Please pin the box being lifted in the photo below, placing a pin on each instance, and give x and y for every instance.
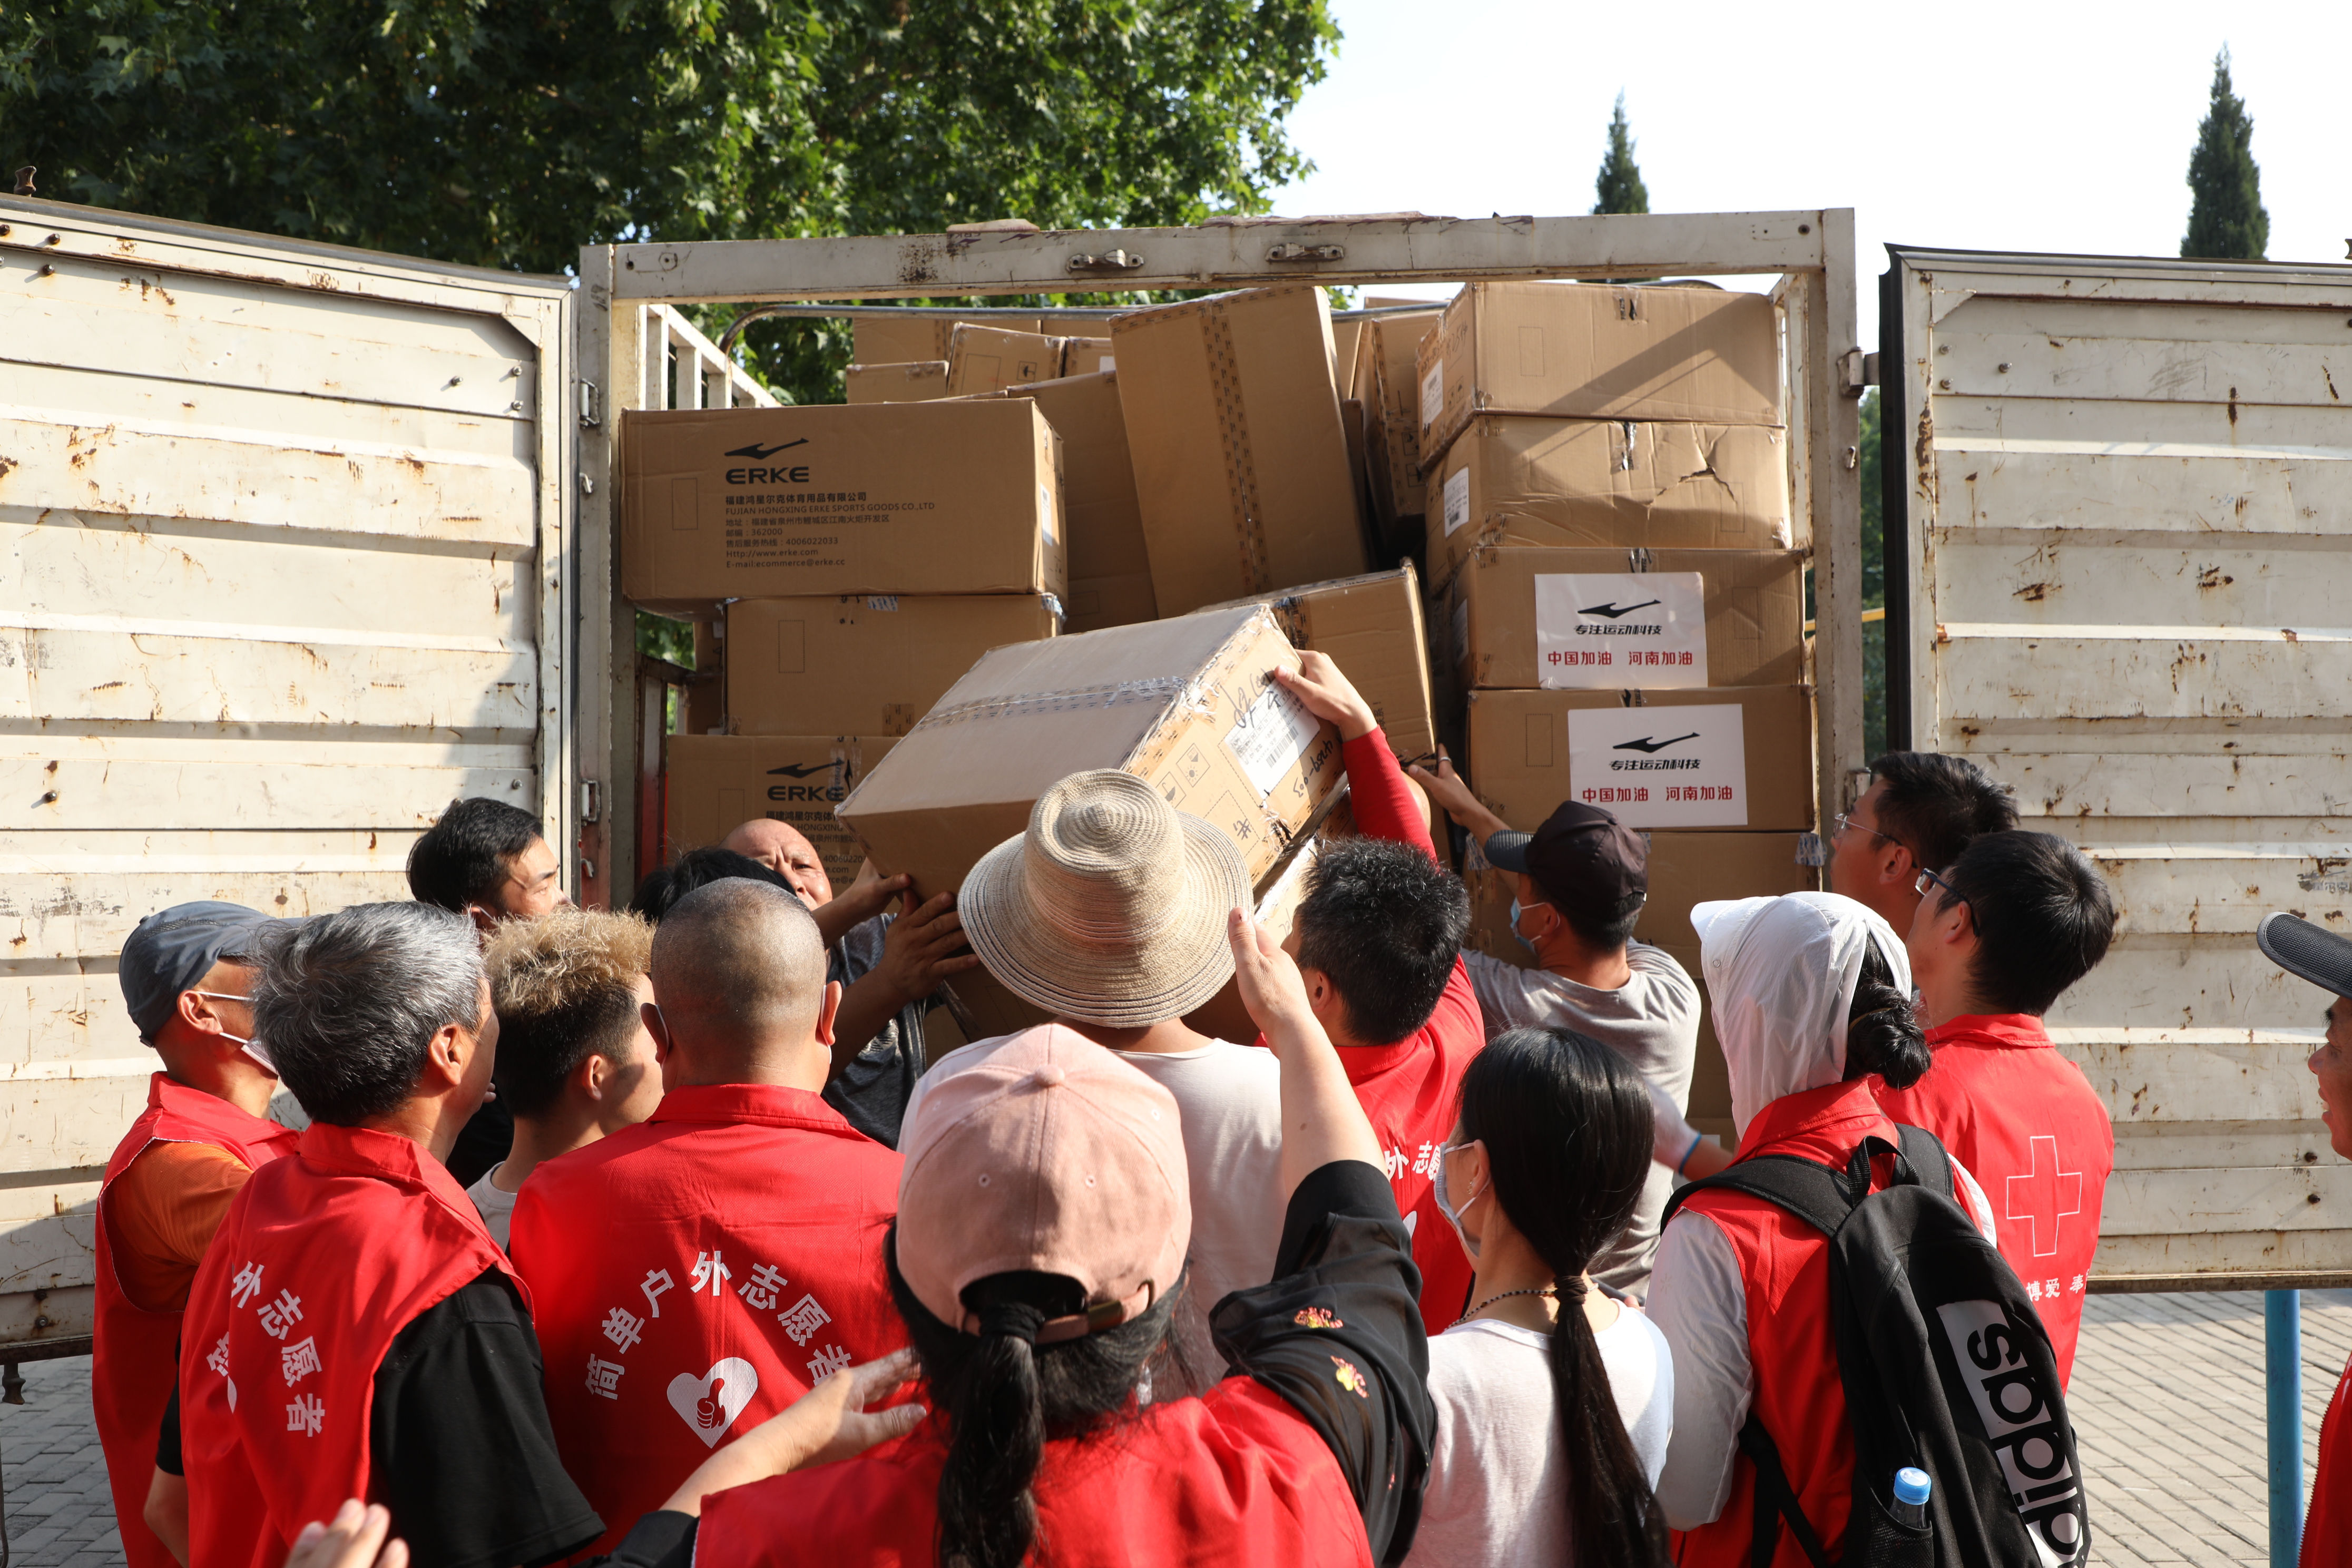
(1186, 703)
(947, 497)
(714, 783)
(1371, 628)
(863, 664)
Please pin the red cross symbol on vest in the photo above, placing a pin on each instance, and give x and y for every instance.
(2044, 1195)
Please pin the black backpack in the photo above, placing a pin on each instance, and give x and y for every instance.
(1945, 1366)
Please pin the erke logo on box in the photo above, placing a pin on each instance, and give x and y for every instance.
(788, 476)
(1647, 745)
(1609, 611)
(837, 791)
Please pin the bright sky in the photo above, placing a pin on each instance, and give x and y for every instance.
(2049, 127)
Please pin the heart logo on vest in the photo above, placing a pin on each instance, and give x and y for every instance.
(711, 1403)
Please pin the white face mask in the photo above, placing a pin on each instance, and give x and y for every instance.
(258, 1052)
(1452, 1211)
(1516, 909)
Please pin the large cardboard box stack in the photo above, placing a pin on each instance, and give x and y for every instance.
(1188, 704)
(989, 359)
(1232, 408)
(1388, 382)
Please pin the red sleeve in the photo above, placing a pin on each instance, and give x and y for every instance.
(1378, 794)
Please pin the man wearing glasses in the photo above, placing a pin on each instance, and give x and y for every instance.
(185, 972)
(1996, 938)
(1920, 810)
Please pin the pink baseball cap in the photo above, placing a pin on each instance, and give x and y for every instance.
(1048, 1154)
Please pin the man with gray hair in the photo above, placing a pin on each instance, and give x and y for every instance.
(697, 1272)
(353, 1331)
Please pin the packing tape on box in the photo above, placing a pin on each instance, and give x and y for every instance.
(1070, 700)
(1232, 434)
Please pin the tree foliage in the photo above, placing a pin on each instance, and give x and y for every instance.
(2226, 220)
(1619, 186)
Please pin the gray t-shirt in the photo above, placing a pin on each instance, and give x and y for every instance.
(873, 1087)
(1652, 1021)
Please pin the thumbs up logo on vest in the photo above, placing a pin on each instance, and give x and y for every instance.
(711, 1403)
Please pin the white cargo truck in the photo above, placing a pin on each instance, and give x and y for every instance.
(307, 542)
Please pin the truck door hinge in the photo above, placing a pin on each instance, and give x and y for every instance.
(1856, 370)
(592, 800)
(591, 414)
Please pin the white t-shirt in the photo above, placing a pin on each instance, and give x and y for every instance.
(494, 1203)
(1497, 1476)
(1229, 1108)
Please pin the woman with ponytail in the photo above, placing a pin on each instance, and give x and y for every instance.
(1544, 1168)
(1812, 997)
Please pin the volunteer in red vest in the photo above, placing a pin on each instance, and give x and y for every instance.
(185, 972)
(1379, 938)
(697, 1272)
(1582, 880)
(1812, 996)
(1998, 939)
(1044, 1220)
(354, 1332)
(2315, 953)
(1920, 811)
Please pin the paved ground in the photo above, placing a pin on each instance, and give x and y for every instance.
(2168, 1400)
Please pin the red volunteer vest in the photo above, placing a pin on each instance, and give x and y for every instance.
(321, 1262)
(1784, 1264)
(2327, 1532)
(1236, 1478)
(694, 1275)
(2026, 1123)
(132, 1369)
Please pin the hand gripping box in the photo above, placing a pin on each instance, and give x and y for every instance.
(863, 664)
(943, 497)
(1371, 628)
(712, 784)
(1186, 703)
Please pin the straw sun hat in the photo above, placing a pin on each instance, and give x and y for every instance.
(1111, 908)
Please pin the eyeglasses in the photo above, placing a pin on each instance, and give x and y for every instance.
(1926, 879)
(1845, 819)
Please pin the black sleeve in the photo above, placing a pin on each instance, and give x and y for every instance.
(1339, 1335)
(660, 1540)
(167, 1441)
(460, 1445)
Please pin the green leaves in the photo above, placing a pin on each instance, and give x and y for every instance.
(2226, 218)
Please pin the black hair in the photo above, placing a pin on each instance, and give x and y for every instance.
(462, 858)
(1933, 805)
(1385, 922)
(1605, 932)
(1882, 1033)
(661, 887)
(1004, 1396)
(1567, 1129)
(2042, 914)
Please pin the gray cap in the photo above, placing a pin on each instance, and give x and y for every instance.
(2301, 948)
(173, 950)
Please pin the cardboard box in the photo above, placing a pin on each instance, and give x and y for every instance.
(1241, 462)
(1370, 627)
(1738, 757)
(1388, 382)
(1098, 603)
(1086, 356)
(989, 359)
(1598, 351)
(714, 783)
(863, 664)
(1614, 619)
(892, 336)
(1186, 703)
(916, 381)
(1347, 344)
(1566, 482)
(905, 498)
(1685, 869)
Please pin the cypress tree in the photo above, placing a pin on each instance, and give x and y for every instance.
(1620, 185)
(2226, 220)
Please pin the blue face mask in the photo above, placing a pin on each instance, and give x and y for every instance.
(1515, 907)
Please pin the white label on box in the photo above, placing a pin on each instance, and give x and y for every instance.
(1108, 362)
(1045, 512)
(1617, 629)
(1432, 395)
(881, 601)
(1457, 499)
(1661, 767)
(1270, 739)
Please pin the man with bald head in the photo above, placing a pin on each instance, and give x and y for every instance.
(891, 965)
(693, 1275)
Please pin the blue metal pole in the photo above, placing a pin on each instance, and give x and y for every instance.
(2282, 1346)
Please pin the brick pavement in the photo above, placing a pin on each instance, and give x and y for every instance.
(2168, 1400)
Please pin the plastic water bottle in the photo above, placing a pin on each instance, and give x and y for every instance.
(1911, 1489)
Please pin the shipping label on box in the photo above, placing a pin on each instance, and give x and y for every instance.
(1591, 628)
(947, 497)
(714, 783)
(1370, 627)
(1661, 767)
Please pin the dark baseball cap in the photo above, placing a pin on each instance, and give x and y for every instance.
(2303, 949)
(1581, 856)
(173, 950)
